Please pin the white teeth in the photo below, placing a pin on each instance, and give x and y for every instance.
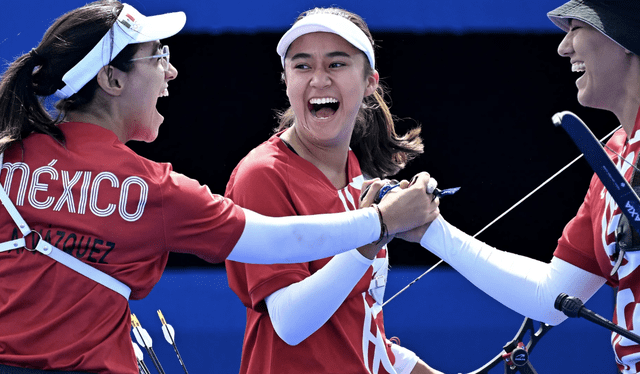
(578, 67)
(165, 92)
(324, 100)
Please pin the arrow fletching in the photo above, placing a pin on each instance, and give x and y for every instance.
(138, 351)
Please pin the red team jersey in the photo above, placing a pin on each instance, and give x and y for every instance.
(588, 241)
(274, 181)
(97, 200)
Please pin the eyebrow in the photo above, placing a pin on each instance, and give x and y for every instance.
(302, 55)
(155, 47)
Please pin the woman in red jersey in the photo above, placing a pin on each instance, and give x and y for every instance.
(87, 223)
(322, 316)
(602, 44)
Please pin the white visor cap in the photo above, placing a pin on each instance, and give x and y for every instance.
(326, 22)
(130, 28)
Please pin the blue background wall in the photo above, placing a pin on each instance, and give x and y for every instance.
(486, 69)
(22, 23)
(443, 318)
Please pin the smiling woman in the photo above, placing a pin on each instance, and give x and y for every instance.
(604, 65)
(323, 316)
(380, 150)
(135, 94)
(97, 220)
(602, 45)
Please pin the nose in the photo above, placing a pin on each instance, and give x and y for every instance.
(320, 79)
(171, 73)
(565, 48)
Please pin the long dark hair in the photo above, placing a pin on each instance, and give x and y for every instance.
(380, 150)
(38, 74)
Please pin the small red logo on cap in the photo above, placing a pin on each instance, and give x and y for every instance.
(125, 21)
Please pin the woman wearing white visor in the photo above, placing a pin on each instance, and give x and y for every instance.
(87, 223)
(322, 316)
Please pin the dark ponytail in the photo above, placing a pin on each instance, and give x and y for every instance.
(21, 110)
(38, 74)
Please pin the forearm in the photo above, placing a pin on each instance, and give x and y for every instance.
(300, 309)
(304, 238)
(525, 285)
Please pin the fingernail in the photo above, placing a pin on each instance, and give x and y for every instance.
(413, 180)
(364, 193)
(431, 185)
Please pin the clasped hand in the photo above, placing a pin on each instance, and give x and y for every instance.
(407, 209)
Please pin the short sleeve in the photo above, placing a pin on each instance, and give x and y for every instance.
(260, 184)
(576, 245)
(198, 222)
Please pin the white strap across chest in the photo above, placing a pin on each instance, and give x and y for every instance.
(49, 250)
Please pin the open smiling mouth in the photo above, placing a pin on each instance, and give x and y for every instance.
(323, 108)
(165, 92)
(578, 67)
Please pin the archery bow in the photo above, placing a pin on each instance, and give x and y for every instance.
(573, 307)
(515, 354)
(619, 189)
(503, 214)
(609, 175)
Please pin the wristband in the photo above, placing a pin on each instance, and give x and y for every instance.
(383, 228)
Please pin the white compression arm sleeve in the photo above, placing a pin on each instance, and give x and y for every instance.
(406, 360)
(298, 310)
(527, 286)
(272, 240)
